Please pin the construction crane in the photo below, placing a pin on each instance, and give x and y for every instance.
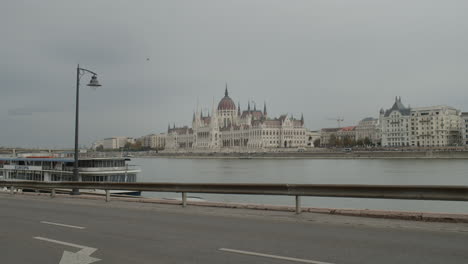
(338, 120)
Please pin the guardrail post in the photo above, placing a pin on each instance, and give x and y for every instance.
(107, 195)
(184, 199)
(12, 190)
(52, 193)
(298, 204)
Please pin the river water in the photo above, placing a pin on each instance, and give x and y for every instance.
(312, 171)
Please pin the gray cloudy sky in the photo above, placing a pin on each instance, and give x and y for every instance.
(324, 58)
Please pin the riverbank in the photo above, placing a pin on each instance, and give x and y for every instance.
(315, 155)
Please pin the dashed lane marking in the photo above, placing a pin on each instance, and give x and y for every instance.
(64, 225)
(272, 256)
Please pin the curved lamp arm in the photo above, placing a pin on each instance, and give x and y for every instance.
(85, 70)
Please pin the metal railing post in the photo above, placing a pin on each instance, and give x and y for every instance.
(107, 195)
(298, 204)
(184, 199)
(52, 193)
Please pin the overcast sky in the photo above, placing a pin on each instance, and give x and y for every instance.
(322, 58)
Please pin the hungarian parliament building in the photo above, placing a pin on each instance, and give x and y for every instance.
(230, 128)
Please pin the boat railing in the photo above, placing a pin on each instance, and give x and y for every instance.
(99, 169)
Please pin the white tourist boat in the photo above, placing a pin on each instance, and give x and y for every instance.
(51, 169)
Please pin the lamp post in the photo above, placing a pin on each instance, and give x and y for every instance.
(92, 83)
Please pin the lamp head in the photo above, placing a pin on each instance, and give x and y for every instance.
(94, 82)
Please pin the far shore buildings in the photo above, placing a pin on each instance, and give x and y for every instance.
(346, 134)
(329, 136)
(432, 126)
(435, 126)
(311, 136)
(401, 126)
(464, 128)
(395, 125)
(230, 128)
(113, 143)
(326, 136)
(369, 128)
(154, 141)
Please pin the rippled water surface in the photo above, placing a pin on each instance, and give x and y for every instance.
(312, 171)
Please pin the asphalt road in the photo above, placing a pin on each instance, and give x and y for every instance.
(32, 230)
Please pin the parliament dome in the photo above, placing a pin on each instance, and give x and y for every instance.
(226, 103)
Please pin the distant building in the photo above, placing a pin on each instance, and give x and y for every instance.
(464, 128)
(326, 134)
(311, 136)
(395, 125)
(435, 126)
(369, 128)
(116, 142)
(347, 135)
(179, 138)
(154, 141)
(431, 126)
(232, 129)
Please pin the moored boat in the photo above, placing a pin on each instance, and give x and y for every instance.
(49, 169)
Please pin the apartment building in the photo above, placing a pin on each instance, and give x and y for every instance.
(435, 126)
(154, 141)
(464, 128)
(395, 125)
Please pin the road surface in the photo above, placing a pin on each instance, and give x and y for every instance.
(38, 229)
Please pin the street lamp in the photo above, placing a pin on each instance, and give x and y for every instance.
(92, 83)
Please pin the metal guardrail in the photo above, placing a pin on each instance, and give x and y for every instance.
(408, 192)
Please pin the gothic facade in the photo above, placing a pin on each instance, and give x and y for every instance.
(230, 128)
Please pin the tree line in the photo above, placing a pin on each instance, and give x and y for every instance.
(335, 141)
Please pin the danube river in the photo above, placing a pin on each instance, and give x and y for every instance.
(312, 171)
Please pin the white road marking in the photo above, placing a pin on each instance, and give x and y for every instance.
(273, 256)
(76, 258)
(58, 224)
(80, 257)
(61, 242)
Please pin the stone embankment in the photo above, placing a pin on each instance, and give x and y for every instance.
(319, 155)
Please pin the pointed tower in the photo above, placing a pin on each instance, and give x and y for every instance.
(214, 118)
(198, 117)
(264, 109)
(194, 120)
(238, 109)
(302, 118)
(214, 127)
(226, 93)
(248, 107)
